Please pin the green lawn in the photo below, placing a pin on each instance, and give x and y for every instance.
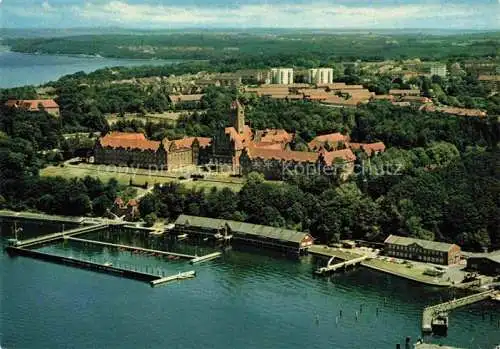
(70, 171)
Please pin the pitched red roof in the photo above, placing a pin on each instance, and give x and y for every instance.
(266, 145)
(240, 140)
(128, 140)
(368, 148)
(343, 154)
(273, 136)
(331, 138)
(32, 104)
(187, 142)
(285, 155)
(455, 111)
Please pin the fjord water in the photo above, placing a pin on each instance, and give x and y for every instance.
(243, 300)
(19, 69)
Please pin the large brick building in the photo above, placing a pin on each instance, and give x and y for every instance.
(237, 147)
(422, 250)
(134, 149)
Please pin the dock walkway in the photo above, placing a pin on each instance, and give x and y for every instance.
(432, 311)
(166, 253)
(333, 267)
(56, 236)
(79, 263)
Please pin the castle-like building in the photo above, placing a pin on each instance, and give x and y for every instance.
(237, 147)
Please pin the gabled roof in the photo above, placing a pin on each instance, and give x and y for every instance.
(32, 104)
(240, 140)
(285, 155)
(368, 148)
(273, 136)
(331, 138)
(242, 228)
(426, 244)
(343, 154)
(128, 140)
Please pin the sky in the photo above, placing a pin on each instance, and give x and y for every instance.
(166, 14)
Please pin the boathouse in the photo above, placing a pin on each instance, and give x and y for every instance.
(485, 263)
(253, 234)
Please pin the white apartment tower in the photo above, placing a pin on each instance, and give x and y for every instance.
(439, 69)
(320, 76)
(282, 76)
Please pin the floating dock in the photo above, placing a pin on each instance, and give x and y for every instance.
(205, 258)
(341, 265)
(180, 276)
(134, 248)
(431, 313)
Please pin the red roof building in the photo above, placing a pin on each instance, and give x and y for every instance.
(49, 105)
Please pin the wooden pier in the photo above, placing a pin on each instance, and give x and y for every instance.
(341, 265)
(431, 313)
(134, 248)
(83, 264)
(205, 258)
(57, 236)
(180, 276)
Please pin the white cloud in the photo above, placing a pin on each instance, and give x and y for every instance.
(316, 15)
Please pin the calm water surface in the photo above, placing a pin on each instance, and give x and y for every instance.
(243, 300)
(19, 69)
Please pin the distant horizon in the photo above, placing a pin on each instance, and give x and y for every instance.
(468, 15)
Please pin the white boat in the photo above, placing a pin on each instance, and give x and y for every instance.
(182, 237)
(108, 264)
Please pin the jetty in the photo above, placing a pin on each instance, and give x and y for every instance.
(180, 276)
(205, 258)
(332, 267)
(57, 236)
(133, 248)
(433, 314)
(84, 264)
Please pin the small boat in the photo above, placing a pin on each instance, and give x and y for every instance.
(108, 264)
(182, 237)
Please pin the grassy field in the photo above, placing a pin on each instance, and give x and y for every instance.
(140, 178)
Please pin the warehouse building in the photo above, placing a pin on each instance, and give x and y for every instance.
(422, 250)
(290, 241)
(485, 263)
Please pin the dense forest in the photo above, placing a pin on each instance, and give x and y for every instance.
(294, 48)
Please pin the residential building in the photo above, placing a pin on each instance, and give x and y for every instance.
(422, 250)
(369, 148)
(331, 141)
(276, 164)
(282, 76)
(439, 70)
(191, 100)
(400, 93)
(485, 263)
(455, 111)
(320, 76)
(490, 81)
(134, 149)
(286, 240)
(33, 105)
